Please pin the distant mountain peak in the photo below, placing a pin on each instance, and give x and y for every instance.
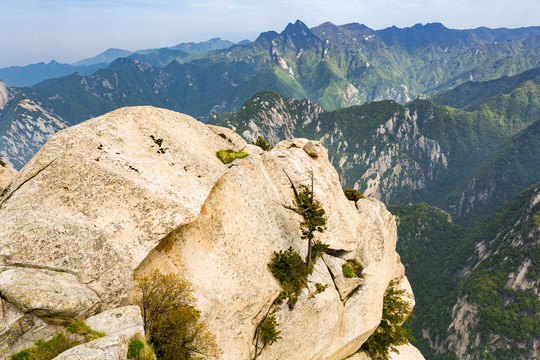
(297, 27)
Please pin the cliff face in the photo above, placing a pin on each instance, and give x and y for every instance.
(141, 188)
(24, 126)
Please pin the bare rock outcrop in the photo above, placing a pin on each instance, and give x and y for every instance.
(4, 94)
(141, 188)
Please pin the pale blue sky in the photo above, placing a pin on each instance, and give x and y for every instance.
(70, 30)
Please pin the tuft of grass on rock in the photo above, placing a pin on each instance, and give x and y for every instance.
(227, 156)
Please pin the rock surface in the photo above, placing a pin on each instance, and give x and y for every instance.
(126, 320)
(141, 188)
(113, 347)
(4, 94)
(54, 296)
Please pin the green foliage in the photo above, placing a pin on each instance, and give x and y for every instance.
(353, 194)
(80, 328)
(170, 320)
(227, 156)
(318, 248)
(314, 219)
(261, 142)
(46, 349)
(348, 271)
(134, 348)
(319, 288)
(352, 268)
(268, 330)
(389, 334)
(291, 271)
(433, 250)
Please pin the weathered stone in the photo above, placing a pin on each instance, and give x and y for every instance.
(55, 296)
(233, 138)
(141, 189)
(314, 148)
(113, 347)
(405, 352)
(4, 94)
(125, 320)
(100, 195)
(344, 285)
(253, 150)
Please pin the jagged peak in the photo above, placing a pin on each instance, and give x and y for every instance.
(296, 28)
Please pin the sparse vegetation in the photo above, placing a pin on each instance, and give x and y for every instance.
(267, 331)
(348, 271)
(291, 271)
(170, 319)
(318, 249)
(261, 142)
(79, 327)
(320, 288)
(389, 334)
(46, 349)
(352, 268)
(58, 343)
(227, 156)
(314, 217)
(353, 194)
(134, 349)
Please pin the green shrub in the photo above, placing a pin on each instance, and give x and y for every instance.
(314, 218)
(80, 328)
(389, 334)
(318, 249)
(353, 194)
(268, 330)
(291, 271)
(46, 349)
(320, 288)
(134, 349)
(261, 142)
(348, 271)
(170, 320)
(227, 156)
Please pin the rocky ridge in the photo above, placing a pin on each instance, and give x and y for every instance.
(141, 188)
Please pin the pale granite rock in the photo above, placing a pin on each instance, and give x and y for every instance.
(54, 296)
(141, 189)
(4, 94)
(100, 195)
(126, 320)
(113, 347)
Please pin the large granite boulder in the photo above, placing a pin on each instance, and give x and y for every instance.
(141, 189)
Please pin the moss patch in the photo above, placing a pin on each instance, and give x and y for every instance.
(227, 156)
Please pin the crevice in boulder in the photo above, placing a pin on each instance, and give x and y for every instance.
(5, 262)
(339, 253)
(331, 275)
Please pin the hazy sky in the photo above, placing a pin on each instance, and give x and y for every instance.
(70, 30)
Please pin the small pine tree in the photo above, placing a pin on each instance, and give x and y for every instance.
(389, 334)
(261, 142)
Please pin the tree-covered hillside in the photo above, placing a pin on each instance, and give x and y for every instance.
(477, 289)
(465, 161)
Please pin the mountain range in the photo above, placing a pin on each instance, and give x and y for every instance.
(29, 75)
(333, 66)
(465, 161)
(442, 125)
